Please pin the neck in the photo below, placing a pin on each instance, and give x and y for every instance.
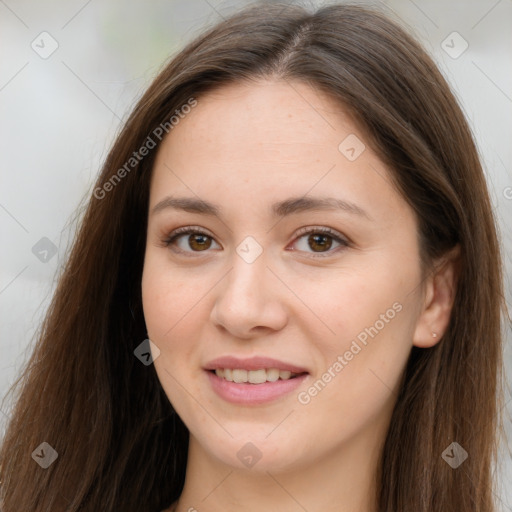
(342, 480)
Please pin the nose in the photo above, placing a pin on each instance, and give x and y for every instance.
(250, 300)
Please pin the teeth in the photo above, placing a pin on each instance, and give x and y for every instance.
(272, 374)
(239, 375)
(257, 376)
(254, 376)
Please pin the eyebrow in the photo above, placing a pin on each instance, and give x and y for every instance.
(284, 208)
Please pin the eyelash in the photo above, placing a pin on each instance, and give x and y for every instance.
(190, 230)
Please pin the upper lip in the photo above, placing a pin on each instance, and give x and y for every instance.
(252, 363)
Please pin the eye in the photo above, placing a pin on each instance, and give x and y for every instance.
(197, 240)
(320, 239)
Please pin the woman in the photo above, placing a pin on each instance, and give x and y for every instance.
(285, 293)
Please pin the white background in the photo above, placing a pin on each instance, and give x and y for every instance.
(59, 116)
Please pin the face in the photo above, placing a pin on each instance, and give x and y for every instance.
(266, 279)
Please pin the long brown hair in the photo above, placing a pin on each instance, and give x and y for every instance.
(120, 445)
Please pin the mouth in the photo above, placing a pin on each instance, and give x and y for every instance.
(253, 381)
(259, 376)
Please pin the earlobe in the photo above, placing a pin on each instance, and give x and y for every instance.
(440, 289)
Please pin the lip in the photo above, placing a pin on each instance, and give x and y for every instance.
(252, 363)
(253, 394)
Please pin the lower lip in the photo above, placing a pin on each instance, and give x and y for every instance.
(245, 393)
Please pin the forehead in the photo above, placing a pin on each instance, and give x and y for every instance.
(245, 142)
(267, 115)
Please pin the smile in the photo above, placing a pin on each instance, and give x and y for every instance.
(253, 393)
(254, 376)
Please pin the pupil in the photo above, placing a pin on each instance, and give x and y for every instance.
(200, 240)
(316, 239)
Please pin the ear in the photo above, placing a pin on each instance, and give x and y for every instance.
(439, 294)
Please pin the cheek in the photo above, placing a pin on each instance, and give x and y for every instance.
(356, 384)
(175, 312)
(370, 302)
(168, 305)
(373, 317)
(166, 298)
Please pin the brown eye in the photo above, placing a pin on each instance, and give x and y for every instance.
(199, 242)
(189, 241)
(320, 241)
(313, 240)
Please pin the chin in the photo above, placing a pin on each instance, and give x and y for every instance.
(256, 455)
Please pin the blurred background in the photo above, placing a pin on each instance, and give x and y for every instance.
(71, 72)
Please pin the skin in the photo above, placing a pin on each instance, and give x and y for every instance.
(245, 147)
